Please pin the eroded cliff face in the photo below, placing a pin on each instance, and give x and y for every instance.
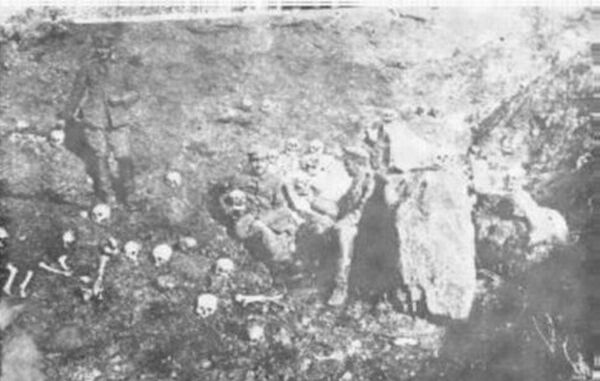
(208, 90)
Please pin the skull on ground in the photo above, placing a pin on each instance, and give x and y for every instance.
(162, 254)
(224, 267)
(316, 146)
(174, 179)
(57, 137)
(272, 156)
(292, 145)
(132, 250)
(206, 305)
(68, 238)
(238, 201)
(256, 333)
(101, 213)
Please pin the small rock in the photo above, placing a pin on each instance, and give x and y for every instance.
(206, 364)
(22, 124)
(68, 338)
(346, 376)
(246, 104)
(166, 282)
(305, 364)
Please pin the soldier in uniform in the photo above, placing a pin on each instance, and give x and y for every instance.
(96, 125)
(265, 213)
(351, 206)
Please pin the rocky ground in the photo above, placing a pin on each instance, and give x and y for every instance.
(507, 84)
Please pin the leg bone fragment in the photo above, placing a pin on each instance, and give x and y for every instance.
(249, 299)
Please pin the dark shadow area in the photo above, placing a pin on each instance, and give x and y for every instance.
(76, 142)
(375, 263)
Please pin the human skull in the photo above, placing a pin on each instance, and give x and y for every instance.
(292, 145)
(132, 250)
(3, 237)
(302, 185)
(256, 333)
(316, 146)
(206, 305)
(101, 213)
(238, 200)
(187, 243)
(57, 137)
(68, 238)
(272, 156)
(162, 254)
(174, 179)
(224, 267)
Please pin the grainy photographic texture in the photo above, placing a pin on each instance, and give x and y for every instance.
(318, 194)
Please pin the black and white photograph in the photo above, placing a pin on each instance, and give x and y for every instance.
(276, 190)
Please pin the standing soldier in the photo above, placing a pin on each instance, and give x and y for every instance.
(96, 126)
(351, 207)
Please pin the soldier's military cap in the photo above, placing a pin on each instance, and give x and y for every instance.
(258, 152)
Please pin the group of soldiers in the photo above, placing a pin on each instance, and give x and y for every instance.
(284, 190)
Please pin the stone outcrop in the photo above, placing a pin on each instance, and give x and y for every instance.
(31, 167)
(437, 241)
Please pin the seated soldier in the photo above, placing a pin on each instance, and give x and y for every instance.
(306, 199)
(257, 206)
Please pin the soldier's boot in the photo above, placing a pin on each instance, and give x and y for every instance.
(102, 181)
(346, 236)
(124, 186)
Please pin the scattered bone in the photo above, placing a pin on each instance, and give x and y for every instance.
(338, 356)
(110, 247)
(188, 243)
(166, 282)
(45, 266)
(245, 300)
(4, 236)
(224, 267)
(101, 213)
(132, 250)
(583, 160)
(11, 278)
(98, 284)
(162, 254)
(84, 214)
(405, 341)
(174, 179)
(23, 286)
(57, 137)
(206, 305)
(256, 333)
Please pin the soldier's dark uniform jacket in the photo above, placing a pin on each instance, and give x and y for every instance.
(266, 201)
(97, 107)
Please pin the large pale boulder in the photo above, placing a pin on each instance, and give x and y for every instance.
(437, 241)
(547, 226)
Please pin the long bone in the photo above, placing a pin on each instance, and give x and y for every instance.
(45, 266)
(11, 278)
(249, 299)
